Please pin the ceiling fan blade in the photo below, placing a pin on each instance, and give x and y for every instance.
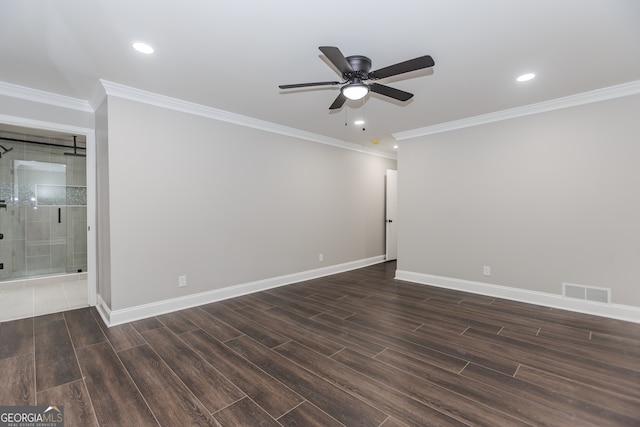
(308, 85)
(391, 92)
(403, 67)
(339, 102)
(337, 58)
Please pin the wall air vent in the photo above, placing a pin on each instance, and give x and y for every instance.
(586, 293)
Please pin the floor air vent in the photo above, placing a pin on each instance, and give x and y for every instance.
(587, 293)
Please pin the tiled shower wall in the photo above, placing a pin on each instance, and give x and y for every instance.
(42, 234)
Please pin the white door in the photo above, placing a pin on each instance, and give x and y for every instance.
(391, 215)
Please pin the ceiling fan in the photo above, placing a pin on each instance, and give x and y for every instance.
(356, 75)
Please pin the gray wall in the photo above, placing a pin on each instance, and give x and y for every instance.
(542, 199)
(226, 204)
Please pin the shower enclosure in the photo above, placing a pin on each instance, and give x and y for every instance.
(43, 205)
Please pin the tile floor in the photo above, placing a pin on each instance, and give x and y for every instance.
(34, 297)
(357, 348)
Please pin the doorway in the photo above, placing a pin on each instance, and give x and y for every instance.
(44, 247)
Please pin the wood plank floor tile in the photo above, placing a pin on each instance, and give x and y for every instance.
(16, 338)
(617, 344)
(55, 358)
(210, 324)
(498, 399)
(579, 412)
(380, 395)
(363, 309)
(232, 304)
(572, 389)
(576, 320)
(582, 348)
(314, 341)
(46, 318)
(291, 295)
(354, 348)
(401, 340)
(343, 338)
(431, 311)
(392, 422)
(177, 323)
(563, 332)
(372, 318)
(439, 351)
(210, 386)
(566, 364)
(308, 415)
(83, 328)
(485, 312)
(329, 398)
(386, 320)
(121, 337)
(169, 399)
(115, 397)
(254, 301)
(18, 385)
(245, 413)
(293, 306)
(271, 394)
(78, 410)
(446, 401)
(253, 329)
(147, 324)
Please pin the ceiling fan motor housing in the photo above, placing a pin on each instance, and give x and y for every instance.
(360, 65)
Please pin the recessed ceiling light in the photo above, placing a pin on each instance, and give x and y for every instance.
(143, 47)
(359, 122)
(395, 146)
(525, 77)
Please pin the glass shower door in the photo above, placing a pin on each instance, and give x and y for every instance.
(43, 216)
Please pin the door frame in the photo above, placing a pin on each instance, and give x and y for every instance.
(391, 215)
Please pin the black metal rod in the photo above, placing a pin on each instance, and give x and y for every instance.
(50, 144)
(59, 215)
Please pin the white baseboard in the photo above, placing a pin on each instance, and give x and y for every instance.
(118, 317)
(614, 311)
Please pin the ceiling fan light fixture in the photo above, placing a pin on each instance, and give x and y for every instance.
(355, 91)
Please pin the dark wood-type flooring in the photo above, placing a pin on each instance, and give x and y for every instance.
(355, 349)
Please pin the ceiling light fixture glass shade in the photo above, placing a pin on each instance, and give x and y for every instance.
(355, 91)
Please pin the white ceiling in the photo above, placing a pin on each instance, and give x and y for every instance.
(233, 55)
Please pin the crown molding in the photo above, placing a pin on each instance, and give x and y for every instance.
(43, 97)
(98, 95)
(618, 91)
(150, 98)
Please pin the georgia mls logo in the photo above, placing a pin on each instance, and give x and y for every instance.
(31, 416)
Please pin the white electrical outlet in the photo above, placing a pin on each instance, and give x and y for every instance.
(321, 257)
(486, 270)
(182, 281)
